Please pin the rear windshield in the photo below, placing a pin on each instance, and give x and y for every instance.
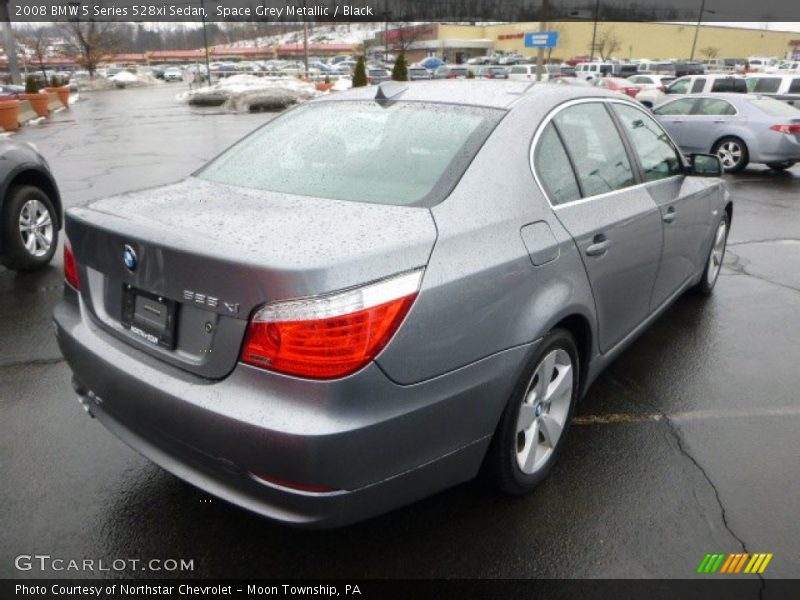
(401, 153)
(776, 108)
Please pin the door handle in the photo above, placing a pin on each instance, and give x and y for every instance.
(599, 246)
(669, 216)
(720, 121)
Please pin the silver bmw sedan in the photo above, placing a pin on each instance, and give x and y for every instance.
(382, 292)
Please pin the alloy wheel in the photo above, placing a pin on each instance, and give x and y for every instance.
(730, 154)
(717, 253)
(544, 410)
(36, 228)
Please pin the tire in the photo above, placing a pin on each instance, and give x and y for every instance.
(30, 249)
(732, 153)
(715, 257)
(781, 166)
(509, 463)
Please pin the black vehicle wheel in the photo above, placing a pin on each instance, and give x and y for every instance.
(30, 229)
(732, 153)
(715, 258)
(534, 425)
(781, 166)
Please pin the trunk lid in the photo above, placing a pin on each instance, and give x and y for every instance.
(217, 252)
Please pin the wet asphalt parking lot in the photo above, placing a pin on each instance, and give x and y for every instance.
(689, 443)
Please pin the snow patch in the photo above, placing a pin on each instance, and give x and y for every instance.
(243, 93)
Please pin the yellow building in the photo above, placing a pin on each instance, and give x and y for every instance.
(631, 40)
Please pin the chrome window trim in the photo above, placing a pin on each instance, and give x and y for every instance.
(699, 97)
(587, 100)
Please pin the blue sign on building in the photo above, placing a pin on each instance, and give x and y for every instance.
(546, 39)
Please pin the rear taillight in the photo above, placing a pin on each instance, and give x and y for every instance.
(71, 267)
(662, 88)
(788, 129)
(325, 337)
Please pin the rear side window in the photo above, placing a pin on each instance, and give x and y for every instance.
(697, 86)
(657, 155)
(678, 107)
(405, 153)
(554, 169)
(729, 84)
(715, 106)
(794, 86)
(765, 85)
(596, 150)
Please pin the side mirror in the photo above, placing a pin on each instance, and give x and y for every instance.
(705, 165)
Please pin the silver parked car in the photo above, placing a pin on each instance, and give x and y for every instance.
(319, 349)
(739, 128)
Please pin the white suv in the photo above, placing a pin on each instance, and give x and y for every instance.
(693, 84)
(780, 87)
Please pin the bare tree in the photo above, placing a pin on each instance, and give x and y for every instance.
(607, 43)
(37, 42)
(710, 51)
(90, 41)
(401, 38)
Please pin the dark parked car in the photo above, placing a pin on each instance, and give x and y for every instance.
(422, 283)
(451, 72)
(376, 76)
(682, 69)
(30, 208)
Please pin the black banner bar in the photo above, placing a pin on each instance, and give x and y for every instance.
(399, 10)
(729, 588)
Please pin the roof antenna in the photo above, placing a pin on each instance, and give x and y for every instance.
(390, 89)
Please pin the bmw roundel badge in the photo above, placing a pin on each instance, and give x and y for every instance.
(129, 258)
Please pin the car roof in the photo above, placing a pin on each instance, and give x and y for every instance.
(493, 94)
(773, 75)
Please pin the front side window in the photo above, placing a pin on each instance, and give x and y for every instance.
(554, 169)
(794, 86)
(405, 153)
(657, 155)
(679, 86)
(678, 107)
(597, 151)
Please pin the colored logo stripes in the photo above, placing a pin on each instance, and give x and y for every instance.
(734, 563)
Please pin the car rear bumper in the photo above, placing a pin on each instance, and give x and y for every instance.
(776, 147)
(375, 445)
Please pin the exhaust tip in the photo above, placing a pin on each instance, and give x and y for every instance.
(85, 404)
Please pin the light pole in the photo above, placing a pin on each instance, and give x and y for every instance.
(305, 36)
(697, 27)
(9, 42)
(594, 29)
(205, 42)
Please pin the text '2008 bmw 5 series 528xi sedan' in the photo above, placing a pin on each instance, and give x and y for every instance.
(376, 295)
